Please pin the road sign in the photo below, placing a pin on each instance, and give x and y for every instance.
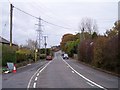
(10, 66)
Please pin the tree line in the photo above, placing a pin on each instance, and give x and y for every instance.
(101, 51)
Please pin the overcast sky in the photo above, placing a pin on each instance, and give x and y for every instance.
(66, 13)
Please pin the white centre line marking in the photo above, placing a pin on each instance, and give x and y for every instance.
(44, 67)
(36, 79)
(72, 71)
(84, 76)
(34, 85)
(90, 84)
(37, 72)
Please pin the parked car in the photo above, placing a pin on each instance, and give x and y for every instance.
(49, 57)
(65, 56)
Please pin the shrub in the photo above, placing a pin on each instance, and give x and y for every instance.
(8, 55)
(24, 55)
(71, 47)
(0, 55)
(42, 56)
(99, 47)
(110, 54)
(86, 51)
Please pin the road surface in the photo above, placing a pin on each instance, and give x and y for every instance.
(60, 73)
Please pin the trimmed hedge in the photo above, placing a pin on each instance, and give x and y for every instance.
(42, 56)
(8, 55)
(11, 54)
(24, 54)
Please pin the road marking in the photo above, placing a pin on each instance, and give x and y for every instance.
(36, 73)
(34, 85)
(44, 67)
(22, 67)
(28, 64)
(84, 77)
(36, 79)
(72, 71)
(90, 84)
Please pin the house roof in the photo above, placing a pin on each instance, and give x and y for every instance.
(4, 41)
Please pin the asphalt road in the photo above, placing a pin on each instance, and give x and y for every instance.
(60, 73)
(21, 78)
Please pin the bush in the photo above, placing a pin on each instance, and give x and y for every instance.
(8, 55)
(21, 57)
(86, 51)
(0, 55)
(24, 54)
(99, 47)
(103, 53)
(42, 56)
(111, 54)
(71, 47)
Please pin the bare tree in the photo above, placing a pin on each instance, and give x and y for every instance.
(31, 44)
(88, 25)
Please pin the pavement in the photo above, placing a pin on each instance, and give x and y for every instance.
(60, 73)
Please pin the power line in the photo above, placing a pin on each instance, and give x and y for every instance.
(55, 24)
(41, 18)
(26, 12)
(48, 9)
(9, 1)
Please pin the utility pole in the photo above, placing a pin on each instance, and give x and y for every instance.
(39, 34)
(11, 15)
(36, 51)
(45, 37)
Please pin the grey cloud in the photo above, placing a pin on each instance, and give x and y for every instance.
(66, 14)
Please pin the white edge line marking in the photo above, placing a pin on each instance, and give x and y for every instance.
(85, 77)
(24, 66)
(36, 73)
(90, 84)
(28, 64)
(34, 85)
(36, 79)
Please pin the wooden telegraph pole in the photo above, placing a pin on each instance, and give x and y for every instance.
(11, 15)
(45, 37)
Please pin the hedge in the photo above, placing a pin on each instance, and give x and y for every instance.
(8, 55)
